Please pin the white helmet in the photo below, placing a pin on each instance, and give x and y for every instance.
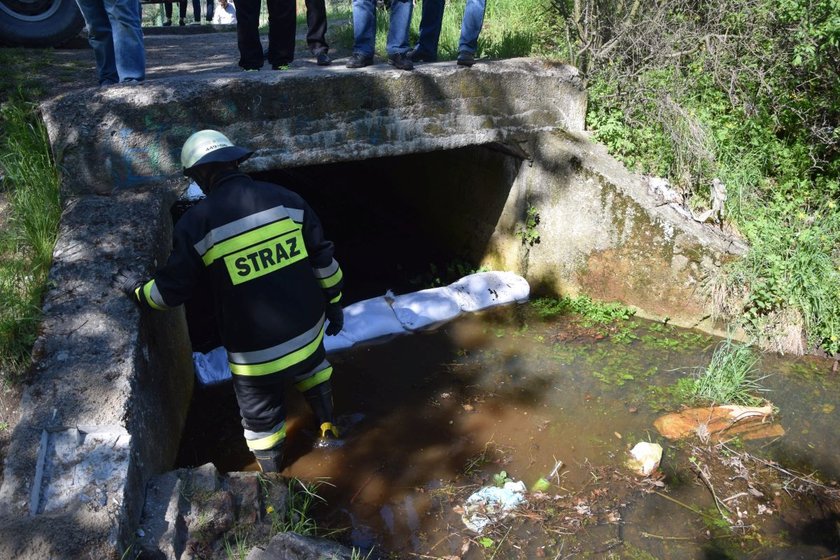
(208, 146)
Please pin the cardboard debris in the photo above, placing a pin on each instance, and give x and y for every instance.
(720, 422)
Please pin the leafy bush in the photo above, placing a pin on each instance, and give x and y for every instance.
(746, 92)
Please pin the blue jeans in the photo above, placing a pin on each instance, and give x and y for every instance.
(430, 23)
(117, 40)
(364, 27)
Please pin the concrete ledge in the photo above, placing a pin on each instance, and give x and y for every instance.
(124, 136)
(111, 389)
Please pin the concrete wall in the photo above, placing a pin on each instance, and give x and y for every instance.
(601, 233)
(111, 386)
(110, 389)
(123, 136)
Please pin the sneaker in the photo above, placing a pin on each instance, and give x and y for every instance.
(167, 23)
(322, 59)
(250, 69)
(400, 61)
(181, 22)
(131, 81)
(466, 58)
(416, 55)
(358, 60)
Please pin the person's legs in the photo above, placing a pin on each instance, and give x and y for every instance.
(210, 9)
(316, 23)
(197, 10)
(281, 32)
(101, 39)
(364, 27)
(182, 12)
(167, 10)
(248, 34)
(431, 19)
(471, 26)
(397, 42)
(129, 52)
(264, 420)
(317, 389)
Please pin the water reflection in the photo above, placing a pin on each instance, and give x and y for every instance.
(430, 418)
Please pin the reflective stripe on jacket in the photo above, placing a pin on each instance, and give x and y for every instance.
(272, 271)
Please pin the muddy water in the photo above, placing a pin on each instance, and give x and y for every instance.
(430, 418)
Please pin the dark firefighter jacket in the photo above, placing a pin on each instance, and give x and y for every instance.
(271, 270)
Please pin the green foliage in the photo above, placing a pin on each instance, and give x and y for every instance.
(26, 245)
(297, 518)
(756, 107)
(501, 478)
(593, 312)
(528, 231)
(730, 377)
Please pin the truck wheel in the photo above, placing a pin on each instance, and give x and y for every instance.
(39, 23)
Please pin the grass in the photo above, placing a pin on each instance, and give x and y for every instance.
(31, 184)
(512, 28)
(593, 312)
(730, 378)
(297, 518)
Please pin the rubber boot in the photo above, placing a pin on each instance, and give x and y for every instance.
(320, 400)
(270, 460)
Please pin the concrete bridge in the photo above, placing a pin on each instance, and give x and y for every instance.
(475, 153)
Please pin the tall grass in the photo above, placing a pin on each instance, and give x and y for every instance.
(731, 376)
(31, 184)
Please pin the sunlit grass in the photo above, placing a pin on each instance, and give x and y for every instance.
(31, 185)
(731, 376)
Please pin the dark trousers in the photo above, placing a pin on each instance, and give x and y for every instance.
(182, 9)
(281, 33)
(316, 22)
(197, 10)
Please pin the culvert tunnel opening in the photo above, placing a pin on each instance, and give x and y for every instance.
(400, 223)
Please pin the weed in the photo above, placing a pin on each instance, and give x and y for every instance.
(27, 245)
(528, 231)
(592, 312)
(298, 518)
(239, 549)
(357, 554)
(730, 377)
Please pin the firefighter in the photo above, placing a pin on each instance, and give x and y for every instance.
(274, 282)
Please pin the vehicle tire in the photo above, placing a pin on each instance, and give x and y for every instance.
(39, 23)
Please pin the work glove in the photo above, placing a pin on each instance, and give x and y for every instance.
(126, 281)
(335, 315)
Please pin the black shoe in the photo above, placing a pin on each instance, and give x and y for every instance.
(466, 58)
(358, 60)
(181, 22)
(416, 55)
(322, 59)
(400, 61)
(167, 23)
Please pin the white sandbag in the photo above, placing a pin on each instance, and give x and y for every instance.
(425, 309)
(483, 290)
(379, 318)
(369, 320)
(338, 342)
(212, 367)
